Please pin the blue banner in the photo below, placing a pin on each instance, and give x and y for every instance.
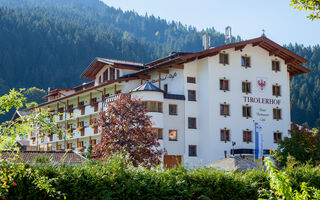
(258, 153)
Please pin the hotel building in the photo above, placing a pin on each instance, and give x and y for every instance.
(203, 105)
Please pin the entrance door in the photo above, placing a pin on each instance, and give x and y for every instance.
(170, 161)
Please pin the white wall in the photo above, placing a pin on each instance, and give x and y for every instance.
(209, 72)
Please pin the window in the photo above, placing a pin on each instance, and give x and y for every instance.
(247, 136)
(158, 133)
(80, 144)
(152, 106)
(192, 122)
(224, 109)
(224, 58)
(246, 111)
(192, 95)
(69, 146)
(276, 90)
(59, 147)
(105, 75)
(245, 61)
(275, 66)
(70, 110)
(277, 113)
(191, 79)
(224, 84)
(118, 73)
(277, 137)
(112, 74)
(94, 101)
(192, 150)
(173, 135)
(50, 137)
(93, 141)
(60, 111)
(173, 109)
(165, 88)
(70, 128)
(225, 135)
(246, 87)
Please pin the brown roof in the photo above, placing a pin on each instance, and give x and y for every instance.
(97, 64)
(84, 90)
(53, 156)
(291, 59)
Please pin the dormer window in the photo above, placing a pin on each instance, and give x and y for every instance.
(105, 75)
(118, 73)
(112, 74)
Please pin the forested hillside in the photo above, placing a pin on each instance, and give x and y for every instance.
(46, 42)
(305, 89)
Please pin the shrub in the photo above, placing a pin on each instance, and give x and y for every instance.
(116, 178)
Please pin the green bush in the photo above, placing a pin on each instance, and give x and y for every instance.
(113, 179)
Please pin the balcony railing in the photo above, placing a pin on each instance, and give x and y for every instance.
(112, 98)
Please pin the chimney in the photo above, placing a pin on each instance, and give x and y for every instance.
(228, 35)
(206, 41)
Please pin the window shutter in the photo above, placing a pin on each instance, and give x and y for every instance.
(221, 58)
(273, 66)
(243, 87)
(227, 135)
(226, 59)
(243, 111)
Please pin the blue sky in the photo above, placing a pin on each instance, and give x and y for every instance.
(282, 23)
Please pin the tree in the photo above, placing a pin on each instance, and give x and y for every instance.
(9, 131)
(126, 128)
(34, 94)
(308, 5)
(303, 145)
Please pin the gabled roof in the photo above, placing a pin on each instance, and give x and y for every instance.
(291, 59)
(98, 63)
(55, 92)
(53, 156)
(147, 86)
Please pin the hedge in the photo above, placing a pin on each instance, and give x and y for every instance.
(114, 180)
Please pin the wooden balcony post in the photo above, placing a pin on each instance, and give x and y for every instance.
(90, 141)
(78, 102)
(90, 98)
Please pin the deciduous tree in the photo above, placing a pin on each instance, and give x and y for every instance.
(303, 144)
(308, 5)
(126, 128)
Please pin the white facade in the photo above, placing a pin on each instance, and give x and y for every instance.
(205, 136)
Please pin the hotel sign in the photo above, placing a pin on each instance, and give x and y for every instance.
(167, 76)
(260, 100)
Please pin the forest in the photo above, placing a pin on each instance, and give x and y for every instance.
(44, 43)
